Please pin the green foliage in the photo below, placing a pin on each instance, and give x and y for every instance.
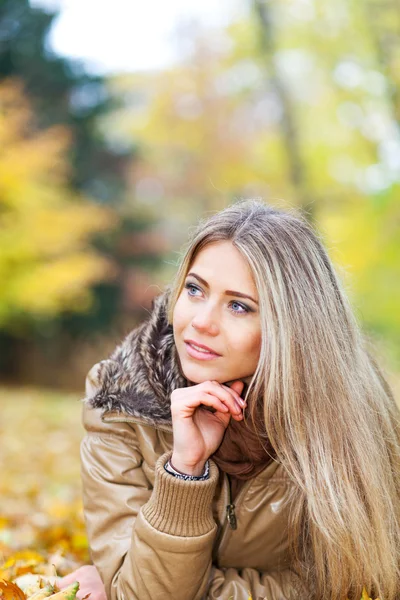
(299, 103)
(61, 92)
(46, 265)
(66, 104)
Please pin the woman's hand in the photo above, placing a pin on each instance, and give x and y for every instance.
(197, 431)
(89, 582)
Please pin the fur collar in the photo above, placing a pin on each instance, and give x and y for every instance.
(142, 372)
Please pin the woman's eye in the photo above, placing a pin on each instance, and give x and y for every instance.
(190, 286)
(240, 309)
(243, 308)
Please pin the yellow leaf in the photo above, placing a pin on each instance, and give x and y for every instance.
(10, 591)
(19, 563)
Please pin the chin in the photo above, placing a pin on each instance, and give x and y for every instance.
(197, 374)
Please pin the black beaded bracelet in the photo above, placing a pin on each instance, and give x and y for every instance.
(170, 469)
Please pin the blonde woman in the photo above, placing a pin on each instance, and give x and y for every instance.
(242, 440)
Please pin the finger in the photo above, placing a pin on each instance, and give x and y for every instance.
(230, 396)
(239, 403)
(236, 388)
(209, 394)
(226, 396)
(213, 402)
(187, 405)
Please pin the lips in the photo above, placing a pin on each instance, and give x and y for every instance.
(202, 346)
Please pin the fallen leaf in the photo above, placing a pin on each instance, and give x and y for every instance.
(10, 591)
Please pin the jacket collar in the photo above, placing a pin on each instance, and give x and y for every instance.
(137, 381)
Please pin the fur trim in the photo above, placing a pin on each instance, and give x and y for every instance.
(142, 372)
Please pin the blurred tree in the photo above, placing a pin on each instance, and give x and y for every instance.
(383, 18)
(201, 137)
(46, 264)
(297, 101)
(62, 92)
(290, 134)
(50, 237)
(304, 115)
(340, 64)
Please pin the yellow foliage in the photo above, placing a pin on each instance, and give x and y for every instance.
(197, 142)
(19, 563)
(41, 523)
(66, 287)
(212, 129)
(46, 264)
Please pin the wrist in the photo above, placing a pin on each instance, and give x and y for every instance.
(196, 469)
(172, 471)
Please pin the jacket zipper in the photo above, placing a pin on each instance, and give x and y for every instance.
(231, 518)
(230, 508)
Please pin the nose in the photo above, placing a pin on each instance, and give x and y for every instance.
(206, 321)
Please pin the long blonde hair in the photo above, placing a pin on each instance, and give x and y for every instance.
(329, 413)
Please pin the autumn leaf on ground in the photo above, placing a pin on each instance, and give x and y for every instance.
(32, 584)
(10, 591)
(19, 563)
(69, 593)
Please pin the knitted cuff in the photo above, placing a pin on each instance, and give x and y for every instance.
(179, 507)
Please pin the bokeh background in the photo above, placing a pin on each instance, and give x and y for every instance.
(121, 124)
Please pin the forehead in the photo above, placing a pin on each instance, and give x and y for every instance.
(221, 264)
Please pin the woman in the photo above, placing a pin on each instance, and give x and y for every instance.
(242, 440)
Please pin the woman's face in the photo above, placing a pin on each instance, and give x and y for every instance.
(212, 311)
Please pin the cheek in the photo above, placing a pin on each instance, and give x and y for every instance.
(255, 345)
(248, 345)
(179, 315)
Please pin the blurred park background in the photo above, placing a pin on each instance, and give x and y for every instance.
(121, 125)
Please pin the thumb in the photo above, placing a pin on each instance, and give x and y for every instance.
(238, 386)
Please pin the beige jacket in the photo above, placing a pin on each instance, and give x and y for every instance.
(154, 536)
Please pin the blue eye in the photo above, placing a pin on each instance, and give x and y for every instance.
(244, 309)
(190, 286)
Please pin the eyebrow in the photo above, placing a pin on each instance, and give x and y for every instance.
(227, 292)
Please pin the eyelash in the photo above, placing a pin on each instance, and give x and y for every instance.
(235, 312)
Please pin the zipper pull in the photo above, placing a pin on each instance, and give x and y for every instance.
(230, 515)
